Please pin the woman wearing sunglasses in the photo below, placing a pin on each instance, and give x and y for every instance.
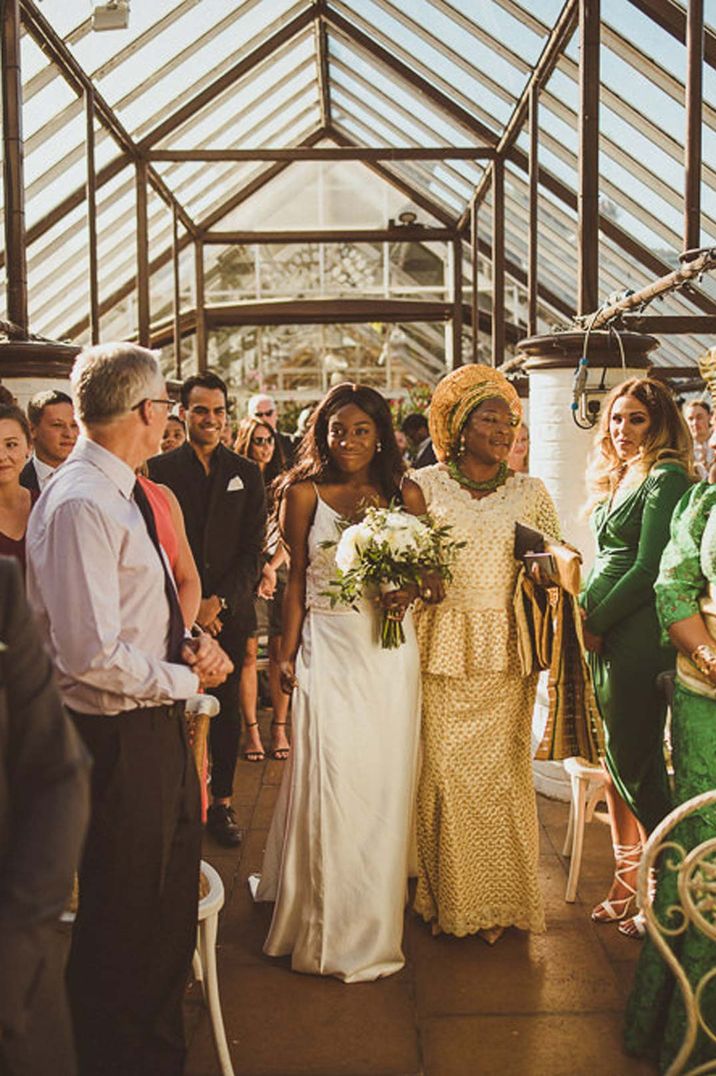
(257, 441)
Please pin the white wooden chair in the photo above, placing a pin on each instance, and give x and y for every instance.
(204, 963)
(587, 782)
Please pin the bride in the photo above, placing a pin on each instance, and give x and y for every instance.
(336, 861)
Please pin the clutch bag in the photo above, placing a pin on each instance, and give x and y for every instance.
(561, 563)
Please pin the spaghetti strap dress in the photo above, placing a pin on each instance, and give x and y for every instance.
(337, 857)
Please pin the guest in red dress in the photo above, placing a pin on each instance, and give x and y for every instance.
(15, 501)
(173, 540)
(171, 533)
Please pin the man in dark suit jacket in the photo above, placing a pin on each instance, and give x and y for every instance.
(54, 431)
(222, 497)
(415, 428)
(44, 808)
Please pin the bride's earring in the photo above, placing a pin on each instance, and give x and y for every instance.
(379, 447)
(461, 445)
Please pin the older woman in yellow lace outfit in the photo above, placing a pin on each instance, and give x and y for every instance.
(477, 821)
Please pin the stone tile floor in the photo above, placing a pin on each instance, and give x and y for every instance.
(544, 1005)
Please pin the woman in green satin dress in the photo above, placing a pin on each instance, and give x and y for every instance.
(655, 1014)
(640, 469)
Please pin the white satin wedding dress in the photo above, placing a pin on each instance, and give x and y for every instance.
(336, 861)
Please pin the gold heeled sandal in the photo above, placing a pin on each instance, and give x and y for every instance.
(627, 857)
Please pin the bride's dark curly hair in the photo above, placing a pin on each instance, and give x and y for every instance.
(314, 462)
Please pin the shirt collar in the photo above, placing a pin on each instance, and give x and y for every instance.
(42, 470)
(111, 466)
(213, 458)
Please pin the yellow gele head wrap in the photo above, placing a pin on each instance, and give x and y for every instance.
(457, 396)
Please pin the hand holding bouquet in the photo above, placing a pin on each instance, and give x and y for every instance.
(389, 550)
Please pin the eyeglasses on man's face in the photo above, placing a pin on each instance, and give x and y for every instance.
(265, 414)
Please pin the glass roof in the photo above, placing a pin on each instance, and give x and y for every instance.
(222, 76)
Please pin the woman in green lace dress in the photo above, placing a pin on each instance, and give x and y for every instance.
(640, 469)
(685, 592)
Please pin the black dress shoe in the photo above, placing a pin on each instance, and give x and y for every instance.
(221, 824)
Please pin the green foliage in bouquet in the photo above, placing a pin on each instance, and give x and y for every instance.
(389, 549)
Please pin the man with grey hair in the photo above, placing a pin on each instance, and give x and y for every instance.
(263, 407)
(105, 600)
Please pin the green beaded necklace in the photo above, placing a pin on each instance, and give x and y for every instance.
(489, 484)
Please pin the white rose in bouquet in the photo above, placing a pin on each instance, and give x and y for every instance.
(352, 542)
(403, 533)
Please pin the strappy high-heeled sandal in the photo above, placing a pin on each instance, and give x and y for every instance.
(634, 927)
(254, 754)
(627, 857)
(279, 754)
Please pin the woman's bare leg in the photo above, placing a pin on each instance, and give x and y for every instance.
(279, 701)
(248, 699)
(627, 839)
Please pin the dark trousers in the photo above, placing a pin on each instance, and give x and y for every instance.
(46, 1043)
(135, 931)
(225, 728)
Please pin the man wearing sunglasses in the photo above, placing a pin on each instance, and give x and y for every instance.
(263, 408)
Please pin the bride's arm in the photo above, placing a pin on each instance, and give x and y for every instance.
(296, 513)
(432, 589)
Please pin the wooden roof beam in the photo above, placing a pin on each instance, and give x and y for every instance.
(322, 72)
(255, 185)
(400, 70)
(410, 192)
(236, 71)
(54, 47)
(672, 18)
(553, 48)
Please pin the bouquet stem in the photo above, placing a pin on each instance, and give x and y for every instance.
(391, 635)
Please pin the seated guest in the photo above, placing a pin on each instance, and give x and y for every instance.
(415, 428)
(44, 806)
(54, 430)
(257, 442)
(15, 500)
(109, 613)
(174, 434)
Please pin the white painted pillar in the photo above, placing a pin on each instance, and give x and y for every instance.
(558, 455)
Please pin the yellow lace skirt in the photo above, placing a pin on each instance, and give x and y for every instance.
(478, 834)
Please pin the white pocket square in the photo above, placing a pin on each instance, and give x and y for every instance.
(234, 484)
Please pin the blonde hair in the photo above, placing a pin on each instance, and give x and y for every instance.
(667, 440)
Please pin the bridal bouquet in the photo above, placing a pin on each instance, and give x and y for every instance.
(388, 550)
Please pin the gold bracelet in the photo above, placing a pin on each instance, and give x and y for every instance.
(704, 658)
